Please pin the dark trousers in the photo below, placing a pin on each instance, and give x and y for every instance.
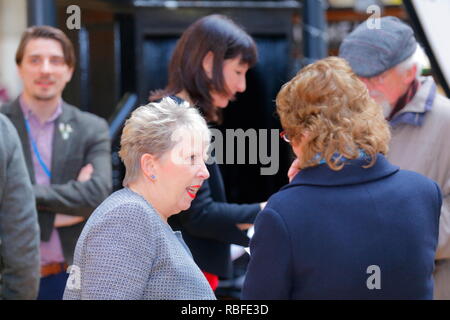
(52, 287)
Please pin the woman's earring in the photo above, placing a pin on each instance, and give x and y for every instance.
(153, 177)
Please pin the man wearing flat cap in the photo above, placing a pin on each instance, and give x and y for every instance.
(386, 60)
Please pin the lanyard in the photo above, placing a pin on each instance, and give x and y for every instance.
(36, 151)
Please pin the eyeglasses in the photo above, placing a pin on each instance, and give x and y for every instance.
(284, 136)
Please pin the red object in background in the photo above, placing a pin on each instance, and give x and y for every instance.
(212, 279)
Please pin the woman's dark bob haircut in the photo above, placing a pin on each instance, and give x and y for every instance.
(226, 40)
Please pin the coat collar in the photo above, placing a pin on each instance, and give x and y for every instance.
(14, 113)
(414, 112)
(424, 97)
(352, 173)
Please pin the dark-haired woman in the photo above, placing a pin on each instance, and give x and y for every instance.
(208, 69)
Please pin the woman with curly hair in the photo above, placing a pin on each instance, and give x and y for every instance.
(350, 225)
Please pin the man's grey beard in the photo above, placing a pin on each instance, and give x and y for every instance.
(387, 108)
(380, 99)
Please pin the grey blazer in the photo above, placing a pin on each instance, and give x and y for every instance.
(87, 143)
(126, 251)
(19, 230)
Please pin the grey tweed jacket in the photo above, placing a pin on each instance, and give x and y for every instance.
(126, 251)
(19, 229)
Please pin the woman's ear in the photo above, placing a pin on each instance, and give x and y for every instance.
(207, 63)
(299, 143)
(148, 165)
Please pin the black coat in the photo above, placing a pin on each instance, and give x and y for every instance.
(209, 225)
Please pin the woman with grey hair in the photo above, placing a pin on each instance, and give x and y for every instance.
(127, 250)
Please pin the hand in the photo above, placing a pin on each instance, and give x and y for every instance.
(244, 226)
(294, 169)
(63, 220)
(85, 173)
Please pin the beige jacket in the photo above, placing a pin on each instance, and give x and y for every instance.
(425, 148)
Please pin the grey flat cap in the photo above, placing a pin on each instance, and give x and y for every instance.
(371, 52)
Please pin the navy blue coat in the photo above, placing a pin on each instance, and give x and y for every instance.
(319, 235)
